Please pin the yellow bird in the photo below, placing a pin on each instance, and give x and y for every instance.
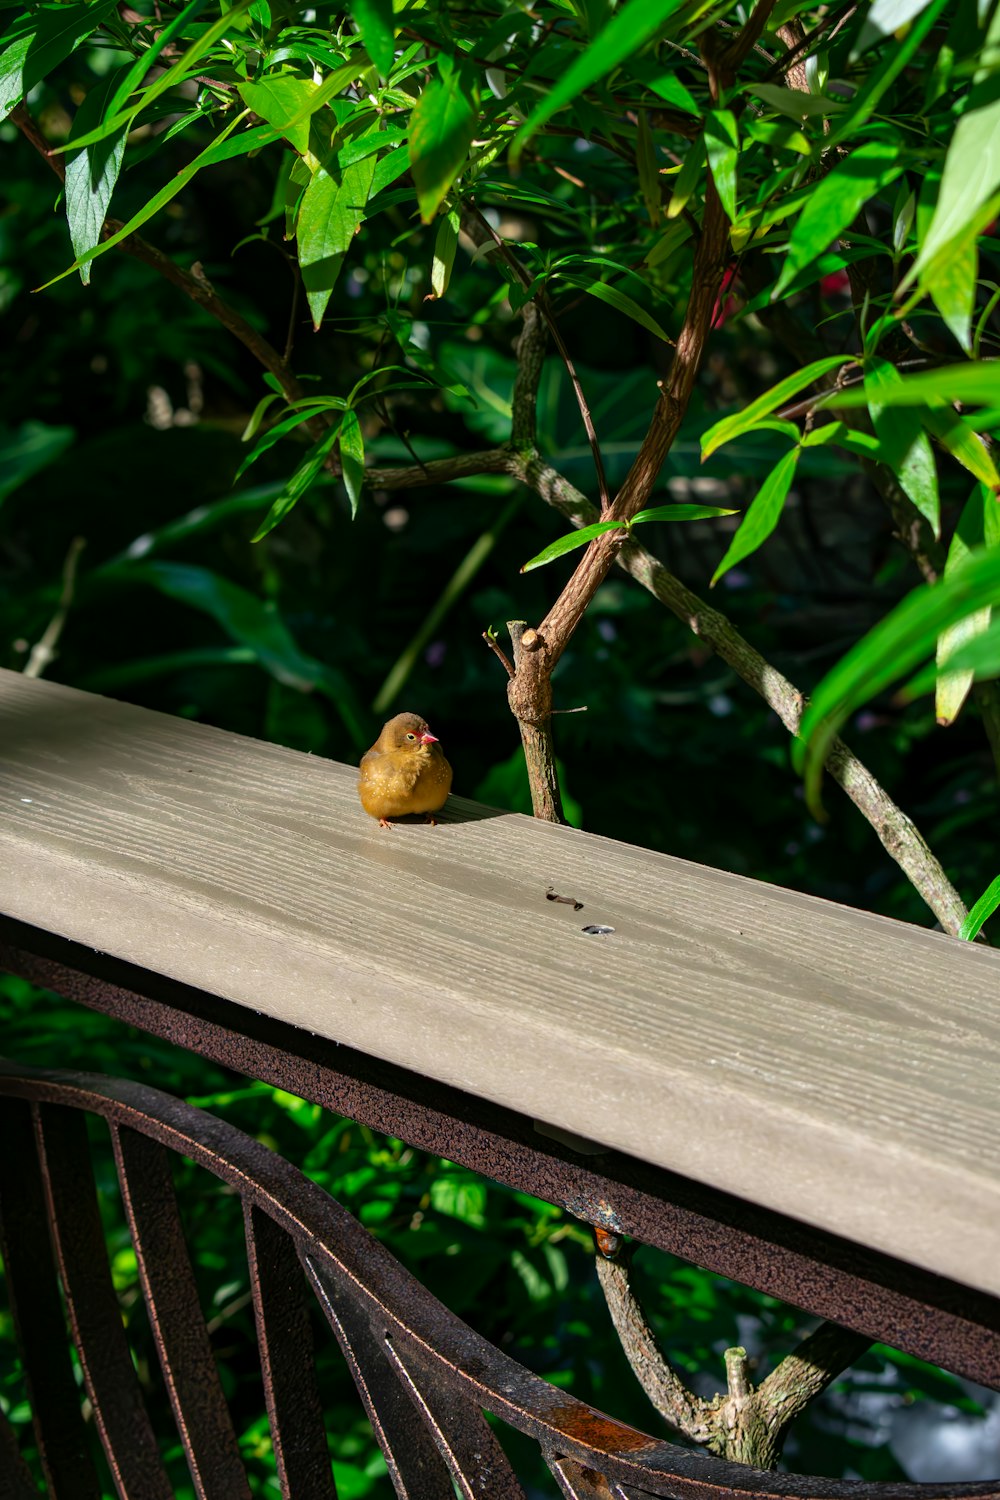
(404, 772)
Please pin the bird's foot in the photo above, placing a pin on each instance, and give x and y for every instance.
(431, 819)
(384, 823)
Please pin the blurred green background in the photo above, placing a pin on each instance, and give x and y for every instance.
(124, 407)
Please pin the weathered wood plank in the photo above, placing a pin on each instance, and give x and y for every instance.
(836, 1066)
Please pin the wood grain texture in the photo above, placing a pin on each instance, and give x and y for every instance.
(833, 1065)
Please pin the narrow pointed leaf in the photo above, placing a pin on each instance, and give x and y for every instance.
(41, 43)
(624, 304)
(903, 443)
(332, 209)
(679, 513)
(568, 543)
(441, 130)
(953, 685)
(744, 421)
(763, 515)
(352, 458)
(944, 423)
(983, 909)
(892, 650)
(445, 245)
(91, 174)
(976, 383)
(971, 176)
(635, 24)
(722, 144)
(835, 202)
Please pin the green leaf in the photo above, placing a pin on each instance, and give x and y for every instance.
(635, 24)
(688, 177)
(835, 202)
(280, 99)
(91, 173)
(860, 443)
(373, 19)
(884, 19)
(951, 280)
(568, 543)
(301, 481)
(179, 72)
(679, 513)
(976, 383)
(445, 245)
(944, 423)
(984, 908)
(44, 40)
(221, 149)
(744, 421)
(903, 444)
(616, 299)
(971, 176)
(352, 458)
(273, 434)
(722, 143)
(332, 209)
(893, 649)
(442, 125)
(763, 515)
(129, 80)
(953, 685)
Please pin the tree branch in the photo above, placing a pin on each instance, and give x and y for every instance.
(194, 285)
(804, 1373)
(898, 834)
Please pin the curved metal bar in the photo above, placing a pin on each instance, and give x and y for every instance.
(441, 1355)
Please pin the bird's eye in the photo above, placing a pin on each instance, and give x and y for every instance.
(411, 736)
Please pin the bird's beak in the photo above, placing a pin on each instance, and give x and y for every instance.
(427, 738)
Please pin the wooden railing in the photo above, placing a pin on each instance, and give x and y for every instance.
(797, 1095)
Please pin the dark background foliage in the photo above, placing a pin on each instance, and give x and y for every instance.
(133, 402)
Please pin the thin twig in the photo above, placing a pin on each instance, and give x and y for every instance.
(44, 650)
(474, 220)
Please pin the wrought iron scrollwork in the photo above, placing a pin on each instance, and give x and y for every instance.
(425, 1378)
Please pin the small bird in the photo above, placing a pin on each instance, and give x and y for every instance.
(404, 772)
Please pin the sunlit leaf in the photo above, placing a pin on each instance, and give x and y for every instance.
(679, 513)
(976, 383)
(835, 202)
(944, 423)
(221, 149)
(722, 144)
(688, 179)
(794, 103)
(352, 458)
(445, 245)
(332, 209)
(892, 650)
(884, 19)
(903, 444)
(39, 42)
(441, 129)
(762, 516)
(745, 420)
(91, 173)
(953, 685)
(573, 539)
(983, 909)
(971, 177)
(279, 99)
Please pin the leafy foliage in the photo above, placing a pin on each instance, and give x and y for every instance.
(375, 193)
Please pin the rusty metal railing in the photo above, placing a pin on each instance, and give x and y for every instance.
(425, 1378)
